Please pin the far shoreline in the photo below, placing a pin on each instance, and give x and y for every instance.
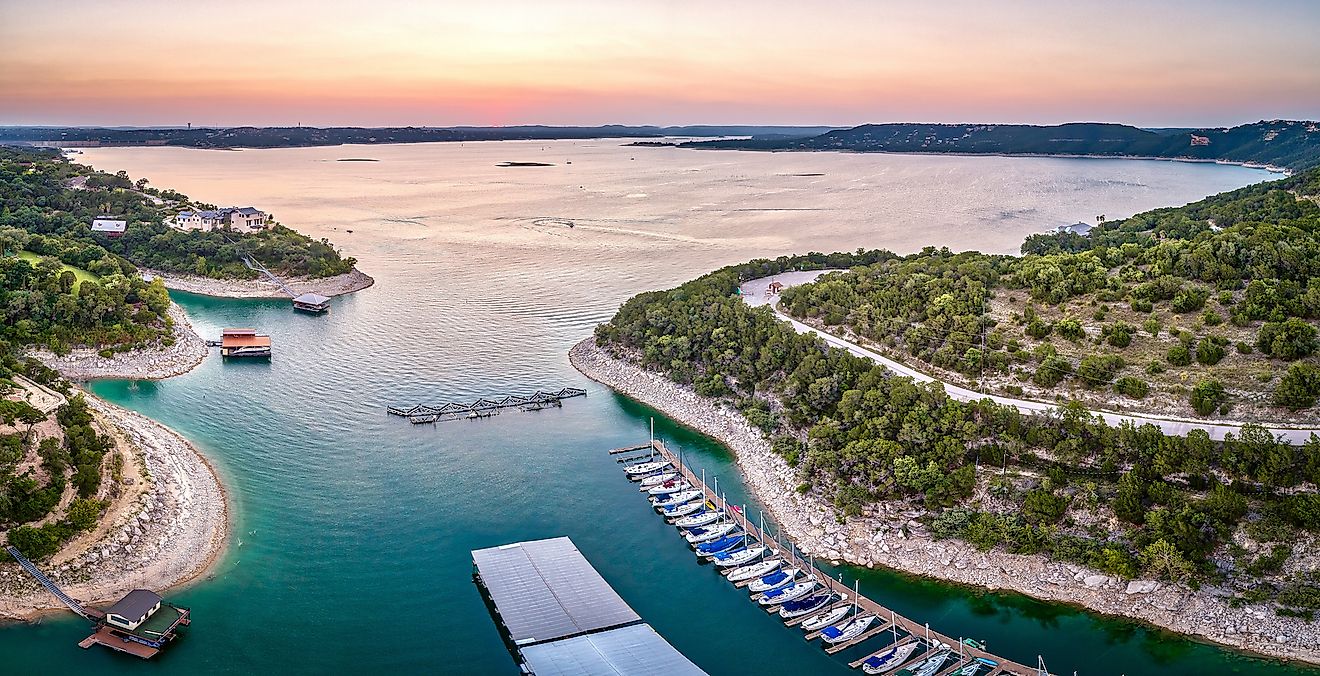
(338, 285)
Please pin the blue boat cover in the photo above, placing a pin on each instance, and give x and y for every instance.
(775, 577)
(832, 632)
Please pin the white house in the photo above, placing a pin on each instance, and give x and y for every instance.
(199, 220)
(110, 227)
(248, 218)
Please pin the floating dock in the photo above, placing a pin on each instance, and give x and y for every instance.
(559, 616)
(901, 628)
(244, 343)
(485, 408)
(314, 303)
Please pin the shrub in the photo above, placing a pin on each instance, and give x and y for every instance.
(1291, 339)
(1299, 387)
(1190, 299)
(1142, 305)
(1207, 396)
(1052, 371)
(1244, 347)
(1119, 334)
(1179, 355)
(1042, 506)
(1134, 388)
(1038, 329)
(1212, 318)
(1070, 328)
(1151, 326)
(1210, 350)
(1098, 370)
(1155, 367)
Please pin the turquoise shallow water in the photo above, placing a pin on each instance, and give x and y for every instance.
(353, 529)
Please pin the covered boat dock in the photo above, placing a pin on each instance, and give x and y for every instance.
(559, 616)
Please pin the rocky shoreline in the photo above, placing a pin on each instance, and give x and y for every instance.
(151, 363)
(890, 536)
(349, 282)
(170, 531)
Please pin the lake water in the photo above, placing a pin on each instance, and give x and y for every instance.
(353, 528)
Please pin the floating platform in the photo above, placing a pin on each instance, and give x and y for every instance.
(559, 616)
(485, 408)
(244, 343)
(313, 303)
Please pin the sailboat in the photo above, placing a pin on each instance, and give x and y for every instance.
(775, 580)
(806, 606)
(645, 467)
(760, 569)
(848, 630)
(675, 499)
(931, 666)
(737, 557)
(668, 487)
(825, 619)
(657, 479)
(697, 536)
(699, 519)
(889, 660)
(786, 594)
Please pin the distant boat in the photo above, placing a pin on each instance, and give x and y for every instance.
(754, 570)
(889, 660)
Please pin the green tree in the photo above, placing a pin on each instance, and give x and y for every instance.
(1207, 396)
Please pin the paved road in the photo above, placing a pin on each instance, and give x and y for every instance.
(754, 293)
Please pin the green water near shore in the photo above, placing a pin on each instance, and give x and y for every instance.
(352, 529)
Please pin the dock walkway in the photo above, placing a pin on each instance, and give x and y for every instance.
(895, 622)
(482, 408)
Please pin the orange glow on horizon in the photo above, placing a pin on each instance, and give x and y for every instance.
(838, 62)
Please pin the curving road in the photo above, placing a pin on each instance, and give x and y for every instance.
(754, 293)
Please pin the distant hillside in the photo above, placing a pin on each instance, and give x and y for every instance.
(1282, 143)
(276, 137)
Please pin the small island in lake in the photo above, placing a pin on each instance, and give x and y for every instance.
(525, 164)
(357, 159)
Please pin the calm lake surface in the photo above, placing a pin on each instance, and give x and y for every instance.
(353, 529)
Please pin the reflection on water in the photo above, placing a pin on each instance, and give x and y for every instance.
(355, 527)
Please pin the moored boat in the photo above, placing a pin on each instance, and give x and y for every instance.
(670, 487)
(711, 532)
(657, 479)
(646, 467)
(759, 569)
(725, 543)
(890, 659)
(929, 667)
(775, 580)
(806, 606)
(786, 594)
(847, 631)
(672, 499)
(739, 557)
(681, 510)
(826, 618)
(700, 519)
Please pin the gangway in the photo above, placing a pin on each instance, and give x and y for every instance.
(49, 584)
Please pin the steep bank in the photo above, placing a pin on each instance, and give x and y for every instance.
(891, 537)
(349, 282)
(151, 363)
(166, 525)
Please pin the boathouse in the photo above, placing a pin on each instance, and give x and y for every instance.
(243, 343)
(559, 616)
(312, 302)
(132, 610)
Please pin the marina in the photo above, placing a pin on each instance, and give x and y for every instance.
(485, 408)
(827, 608)
(559, 616)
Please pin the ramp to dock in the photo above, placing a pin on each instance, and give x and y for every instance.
(46, 582)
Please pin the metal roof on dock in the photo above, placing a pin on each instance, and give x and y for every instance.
(564, 618)
(546, 590)
(636, 650)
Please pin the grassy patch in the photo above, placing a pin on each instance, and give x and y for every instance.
(80, 274)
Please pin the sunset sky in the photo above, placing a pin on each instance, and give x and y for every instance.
(278, 62)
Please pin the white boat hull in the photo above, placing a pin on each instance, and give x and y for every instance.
(755, 570)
